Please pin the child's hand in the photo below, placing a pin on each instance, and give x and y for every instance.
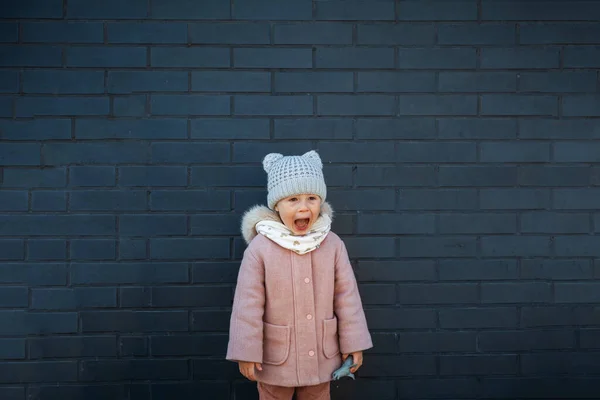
(247, 369)
(357, 357)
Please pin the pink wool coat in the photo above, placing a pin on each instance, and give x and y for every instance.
(293, 313)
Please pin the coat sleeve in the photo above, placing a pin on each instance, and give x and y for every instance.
(246, 324)
(352, 324)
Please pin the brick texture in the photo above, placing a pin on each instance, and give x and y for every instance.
(461, 142)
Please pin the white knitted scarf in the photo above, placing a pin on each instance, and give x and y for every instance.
(283, 236)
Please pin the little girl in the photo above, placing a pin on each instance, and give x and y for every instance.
(297, 312)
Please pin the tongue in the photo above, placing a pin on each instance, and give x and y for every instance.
(302, 223)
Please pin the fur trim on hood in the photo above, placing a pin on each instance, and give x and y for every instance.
(260, 213)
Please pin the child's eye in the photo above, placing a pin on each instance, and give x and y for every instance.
(293, 199)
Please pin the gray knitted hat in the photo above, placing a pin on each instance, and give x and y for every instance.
(291, 175)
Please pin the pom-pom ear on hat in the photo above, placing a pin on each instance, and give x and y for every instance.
(270, 160)
(314, 157)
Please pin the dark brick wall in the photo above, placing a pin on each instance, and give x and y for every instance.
(461, 142)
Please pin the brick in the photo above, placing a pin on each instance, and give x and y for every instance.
(477, 223)
(147, 81)
(579, 292)
(133, 346)
(576, 246)
(436, 152)
(231, 81)
(34, 178)
(189, 9)
(12, 349)
(530, 292)
(147, 32)
(543, 269)
(576, 152)
(110, 9)
(13, 297)
(477, 82)
(272, 58)
(367, 105)
(33, 274)
(547, 175)
(477, 176)
(187, 391)
(397, 34)
(438, 293)
(230, 33)
(6, 106)
(91, 392)
(400, 318)
(9, 81)
(477, 270)
(437, 11)
(30, 56)
(355, 10)
(581, 106)
(481, 364)
(212, 369)
(152, 225)
(32, 106)
(49, 201)
(405, 176)
(362, 200)
(196, 345)
(189, 200)
(556, 316)
(14, 200)
(163, 128)
(400, 271)
(468, 128)
(476, 34)
(437, 58)
(228, 176)
(561, 82)
(559, 33)
(93, 249)
(73, 299)
(132, 249)
(504, 104)
(426, 342)
(460, 246)
(510, 246)
(212, 128)
(588, 338)
(396, 82)
(520, 199)
(188, 249)
(104, 200)
(582, 57)
(130, 106)
(307, 82)
(402, 128)
(560, 363)
(512, 341)
(134, 321)
(34, 9)
(189, 57)
(9, 32)
(20, 154)
(152, 176)
(539, 11)
(388, 365)
(182, 152)
(106, 57)
(437, 199)
(550, 387)
(44, 249)
(88, 176)
(354, 58)
(244, 199)
(426, 104)
(12, 249)
(128, 273)
(62, 32)
(357, 152)
(549, 222)
(154, 369)
(273, 10)
(482, 317)
(312, 33)
(32, 372)
(210, 321)
(364, 247)
(35, 129)
(215, 272)
(191, 296)
(273, 105)
(519, 58)
(373, 294)
(184, 105)
(313, 128)
(435, 388)
(20, 322)
(515, 152)
(576, 199)
(396, 224)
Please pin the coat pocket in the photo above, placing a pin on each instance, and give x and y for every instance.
(276, 343)
(331, 344)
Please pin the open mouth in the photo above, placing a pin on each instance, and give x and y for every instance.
(301, 224)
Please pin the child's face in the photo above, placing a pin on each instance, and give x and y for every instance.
(299, 212)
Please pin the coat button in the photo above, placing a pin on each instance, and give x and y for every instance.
(311, 353)
(306, 280)
(309, 316)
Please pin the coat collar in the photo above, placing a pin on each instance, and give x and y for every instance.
(259, 213)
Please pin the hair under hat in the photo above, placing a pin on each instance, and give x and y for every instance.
(292, 175)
